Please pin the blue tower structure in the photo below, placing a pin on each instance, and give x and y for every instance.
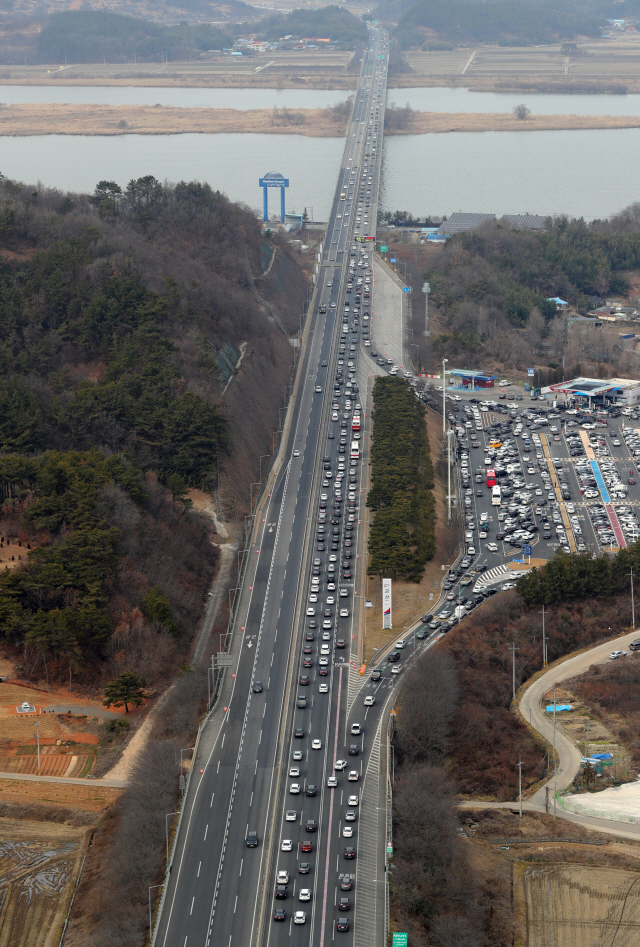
(273, 179)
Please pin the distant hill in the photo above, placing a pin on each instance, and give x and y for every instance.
(84, 36)
(504, 22)
(331, 22)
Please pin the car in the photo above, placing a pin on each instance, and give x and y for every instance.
(279, 915)
(318, 388)
(617, 654)
(401, 643)
(396, 669)
(311, 789)
(291, 815)
(311, 825)
(344, 613)
(353, 776)
(344, 904)
(492, 547)
(294, 789)
(324, 688)
(298, 733)
(316, 744)
(349, 852)
(340, 765)
(352, 800)
(356, 729)
(346, 884)
(297, 754)
(252, 839)
(304, 894)
(426, 619)
(299, 917)
(369, 700)
(342, 924)
(286, 845)
(296, 453)
(282, 877)
(332, 782)
(257, 687)
(347, 831)
(294, 771)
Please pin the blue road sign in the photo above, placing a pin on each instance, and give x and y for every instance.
(406, 289)
(531, 371)
(526, 550)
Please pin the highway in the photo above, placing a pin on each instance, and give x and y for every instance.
(219, 890)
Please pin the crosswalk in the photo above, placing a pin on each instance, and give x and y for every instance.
(495, 575)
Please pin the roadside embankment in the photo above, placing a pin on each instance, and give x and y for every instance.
(25, 119)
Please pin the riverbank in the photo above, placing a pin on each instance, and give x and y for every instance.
(27, 119)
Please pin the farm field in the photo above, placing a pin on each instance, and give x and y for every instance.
(39, 866)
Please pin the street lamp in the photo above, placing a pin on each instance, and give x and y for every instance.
(261, 459)
(150, 890)
(444, 392)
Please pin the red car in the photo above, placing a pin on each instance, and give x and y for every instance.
(307, 846)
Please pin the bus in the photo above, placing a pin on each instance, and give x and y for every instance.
(495, 496)
(355, 424)
(491, 478)
(355, 450)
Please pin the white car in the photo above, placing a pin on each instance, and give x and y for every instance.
(316, 744)
(311, 612)
(401, 643)
(347, 831)
(304, 894)
(369, 701)
(344, 613)
(291, 815)
(492, 547)
(286, 845)
(324, 688)
(294, 771)
(296, 453)
(332, 782)
(299, 917)
(396, 669)
(318, 388)
(283, 877)
(617, 654)
(340, 765)
(352, 801)
(353, 776)
(294, 789)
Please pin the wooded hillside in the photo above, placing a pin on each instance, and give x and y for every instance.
(114, 309)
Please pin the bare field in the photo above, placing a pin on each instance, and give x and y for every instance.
(26, 792)
(59, 119)
(39, 867)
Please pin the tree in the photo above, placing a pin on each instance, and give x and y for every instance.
(178, 489)
(126, 689)
(521, 112)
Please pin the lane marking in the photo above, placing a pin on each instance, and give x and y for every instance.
(326, 871)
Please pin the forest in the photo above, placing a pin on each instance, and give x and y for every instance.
(84, 36)
(113, 308)
(501, 22)
(491, 286)
(402, 537)
(332, 22)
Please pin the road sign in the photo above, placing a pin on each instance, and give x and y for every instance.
(392, 259)
(406, 289)
(389, 849)
(384, 249)
(526, 550)
(531, 371)
(400, 940)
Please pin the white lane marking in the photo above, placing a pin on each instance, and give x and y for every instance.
(192, 903)
(205, 833)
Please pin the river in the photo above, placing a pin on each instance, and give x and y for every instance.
(590, 173)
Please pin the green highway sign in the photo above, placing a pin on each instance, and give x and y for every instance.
(384, 249)
(400, 940)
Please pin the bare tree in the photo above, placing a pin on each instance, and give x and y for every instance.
(521, 112)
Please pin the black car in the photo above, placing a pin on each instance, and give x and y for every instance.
(310, 635)
(342, 924)
(353, 750)
(311, 790)
(304, 868)
(279, 915)
(422, 634)
(349, 852)
(281, 891)
(257, 687)
(311, 825)
(298, 732)
(304, 679)
(344, 904)
(426, 618)
(252, 839)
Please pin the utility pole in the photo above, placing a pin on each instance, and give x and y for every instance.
(426, 289)
(444, 392)
(586, 742)
(38, 742)
(513, 649)
(449, 476)
(520, 765)
(555, 765)
(633, 611)
(544, 642)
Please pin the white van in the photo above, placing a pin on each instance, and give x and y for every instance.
(504, 383)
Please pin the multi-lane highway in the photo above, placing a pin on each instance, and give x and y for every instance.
(220, 891)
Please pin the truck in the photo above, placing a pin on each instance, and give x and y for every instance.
(460, 612)
(496, 494)
(355, 450)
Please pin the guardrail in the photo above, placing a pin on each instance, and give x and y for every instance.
(216, 692)
(579, 809)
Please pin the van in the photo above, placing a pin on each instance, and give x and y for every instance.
(252, 839)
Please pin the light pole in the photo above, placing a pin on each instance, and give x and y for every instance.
(444, 392)
(261, 459)
(520, 765)
(187, 749)
(251, 486)
(633, 612)
(449, 433)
